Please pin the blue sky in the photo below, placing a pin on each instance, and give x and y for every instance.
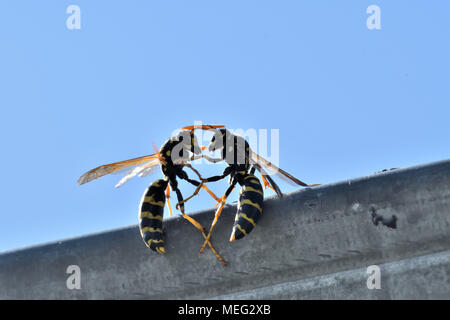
(348, 101)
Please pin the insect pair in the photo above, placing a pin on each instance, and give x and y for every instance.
(173, 156)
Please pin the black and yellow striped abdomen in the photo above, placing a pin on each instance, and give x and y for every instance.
(151, 215)
(250, 207)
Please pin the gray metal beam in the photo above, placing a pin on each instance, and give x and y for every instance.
(307, 237)
(413, 278)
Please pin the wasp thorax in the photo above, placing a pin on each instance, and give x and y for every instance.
(218, 140)
(184, 143)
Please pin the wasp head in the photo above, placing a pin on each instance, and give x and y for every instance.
(189, 141)
(218, 140)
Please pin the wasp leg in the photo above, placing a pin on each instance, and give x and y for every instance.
(183, 175)
(223, 199)
(267, 184)
(225, 173)
(193, 169)
(199, 185)
(211, 193)
(267, 180)
(193, 195)
(197, 225)
(193, 158)
(204, 156)
(212, 160)
(167, 197)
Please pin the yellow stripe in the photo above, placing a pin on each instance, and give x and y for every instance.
(243, 215)
(241, 229)
(247, 188)
(156, 184)
(160, 250)
(149, 215)
(254, 180)
(151, 200)
(246, 201)
(149, 242)
(150, 229)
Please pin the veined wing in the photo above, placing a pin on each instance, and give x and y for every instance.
(141, 171)
(270, 169)
(142, 162)
(268, 181)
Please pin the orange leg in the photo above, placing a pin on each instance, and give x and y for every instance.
(267, 184)
(211, 193)
(202, 230)
(197, 225)
(167, 197)
(222, 199)
(201, 186)
(216, 217)
(193, 169)
(193, 195)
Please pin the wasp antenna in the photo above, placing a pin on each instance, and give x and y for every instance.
(155, 147)
(203, 127)
(158, 153)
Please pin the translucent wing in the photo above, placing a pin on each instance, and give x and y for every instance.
(267, 180)
(267, 168)
(141, 171)
(144, 162)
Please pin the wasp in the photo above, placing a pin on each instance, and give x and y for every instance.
(173, 156)
(242, 163)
